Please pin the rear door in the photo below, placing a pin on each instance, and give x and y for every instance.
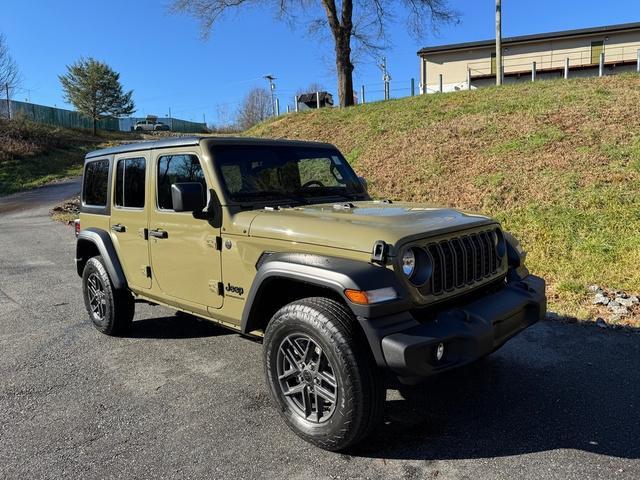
(129, 217)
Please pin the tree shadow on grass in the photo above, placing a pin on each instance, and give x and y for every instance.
(557, 386)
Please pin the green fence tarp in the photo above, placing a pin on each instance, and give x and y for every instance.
(59, 117)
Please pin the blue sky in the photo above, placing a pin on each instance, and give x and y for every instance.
(163, 58)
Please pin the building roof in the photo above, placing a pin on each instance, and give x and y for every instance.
(531, 38)
(195, 140)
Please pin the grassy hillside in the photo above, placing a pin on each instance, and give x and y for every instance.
(32, 154)
(558, 162)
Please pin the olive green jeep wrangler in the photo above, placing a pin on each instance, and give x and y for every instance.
(279, 240)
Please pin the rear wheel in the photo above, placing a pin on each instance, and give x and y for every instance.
(321, 373)
(110, 310)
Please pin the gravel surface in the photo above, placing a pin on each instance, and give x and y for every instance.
(181, 398)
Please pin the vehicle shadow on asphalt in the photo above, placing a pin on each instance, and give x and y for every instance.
(586, 398)
(175, 327)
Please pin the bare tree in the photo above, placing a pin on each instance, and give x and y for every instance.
(312, 88)
(9, 73)
(255, 108)
(359, 23)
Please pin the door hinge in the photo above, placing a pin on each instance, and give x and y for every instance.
(217, 287)
(146, 270)
(144, 233)
(214, 242)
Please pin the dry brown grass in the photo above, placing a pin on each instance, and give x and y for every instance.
(33, 154)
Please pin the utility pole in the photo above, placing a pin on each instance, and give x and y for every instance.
(386, 78)
(498, 42)
(272, 88)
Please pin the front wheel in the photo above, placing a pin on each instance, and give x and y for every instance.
(110, 310)
(321, 374)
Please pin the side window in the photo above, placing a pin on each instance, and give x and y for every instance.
(96, 177)
(177, 169)
(130, 182)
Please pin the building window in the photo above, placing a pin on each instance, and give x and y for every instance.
(596, 49)
(130, 183)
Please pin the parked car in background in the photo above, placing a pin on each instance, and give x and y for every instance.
(152, 126)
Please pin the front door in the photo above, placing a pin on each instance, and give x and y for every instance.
(596, 49)
(129, 219)
(184, 250)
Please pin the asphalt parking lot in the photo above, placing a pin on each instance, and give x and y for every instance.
(180, 398)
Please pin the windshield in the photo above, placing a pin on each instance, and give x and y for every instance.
(285, 173)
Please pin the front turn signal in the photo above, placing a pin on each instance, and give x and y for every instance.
(368, 297)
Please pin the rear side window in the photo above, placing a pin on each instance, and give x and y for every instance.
(96, 178)
(130, 182)
(177, 169)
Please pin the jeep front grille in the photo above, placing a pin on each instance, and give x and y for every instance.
(461, 261)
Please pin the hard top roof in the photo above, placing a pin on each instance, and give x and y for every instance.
(195, 140)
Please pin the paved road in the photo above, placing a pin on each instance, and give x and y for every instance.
(47, 195)
(185, 399)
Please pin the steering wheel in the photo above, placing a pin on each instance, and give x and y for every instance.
(313, 182)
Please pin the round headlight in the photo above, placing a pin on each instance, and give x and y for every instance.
(408, 262)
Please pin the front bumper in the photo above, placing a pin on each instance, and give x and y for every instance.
(406, 344)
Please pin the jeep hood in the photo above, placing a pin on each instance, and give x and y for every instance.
(358, 226)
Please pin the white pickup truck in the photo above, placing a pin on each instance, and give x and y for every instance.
(149, 125)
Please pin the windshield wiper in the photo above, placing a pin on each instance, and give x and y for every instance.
(346, 195)
(318, 192)
(272, 196)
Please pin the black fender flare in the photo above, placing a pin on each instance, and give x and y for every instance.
(333, 273)
(102, 241)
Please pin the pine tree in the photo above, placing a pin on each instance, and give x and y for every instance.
(94, 89)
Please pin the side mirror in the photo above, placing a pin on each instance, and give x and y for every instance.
(364, 183)
(187, 197)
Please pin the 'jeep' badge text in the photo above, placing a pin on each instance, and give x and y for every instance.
(233, 289)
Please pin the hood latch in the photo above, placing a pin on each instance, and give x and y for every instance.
(380, 252)
(343, 206)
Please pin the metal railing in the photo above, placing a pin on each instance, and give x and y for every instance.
(556, 60)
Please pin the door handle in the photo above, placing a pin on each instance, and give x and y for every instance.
(157, 233)
(118, 228)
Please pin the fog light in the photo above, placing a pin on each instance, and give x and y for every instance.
(439, 351)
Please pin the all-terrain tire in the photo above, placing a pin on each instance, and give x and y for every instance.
(110, 310)
(360, 391)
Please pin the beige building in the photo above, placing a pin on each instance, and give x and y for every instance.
(547, 55)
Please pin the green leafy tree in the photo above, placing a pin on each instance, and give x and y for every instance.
(94, 89)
